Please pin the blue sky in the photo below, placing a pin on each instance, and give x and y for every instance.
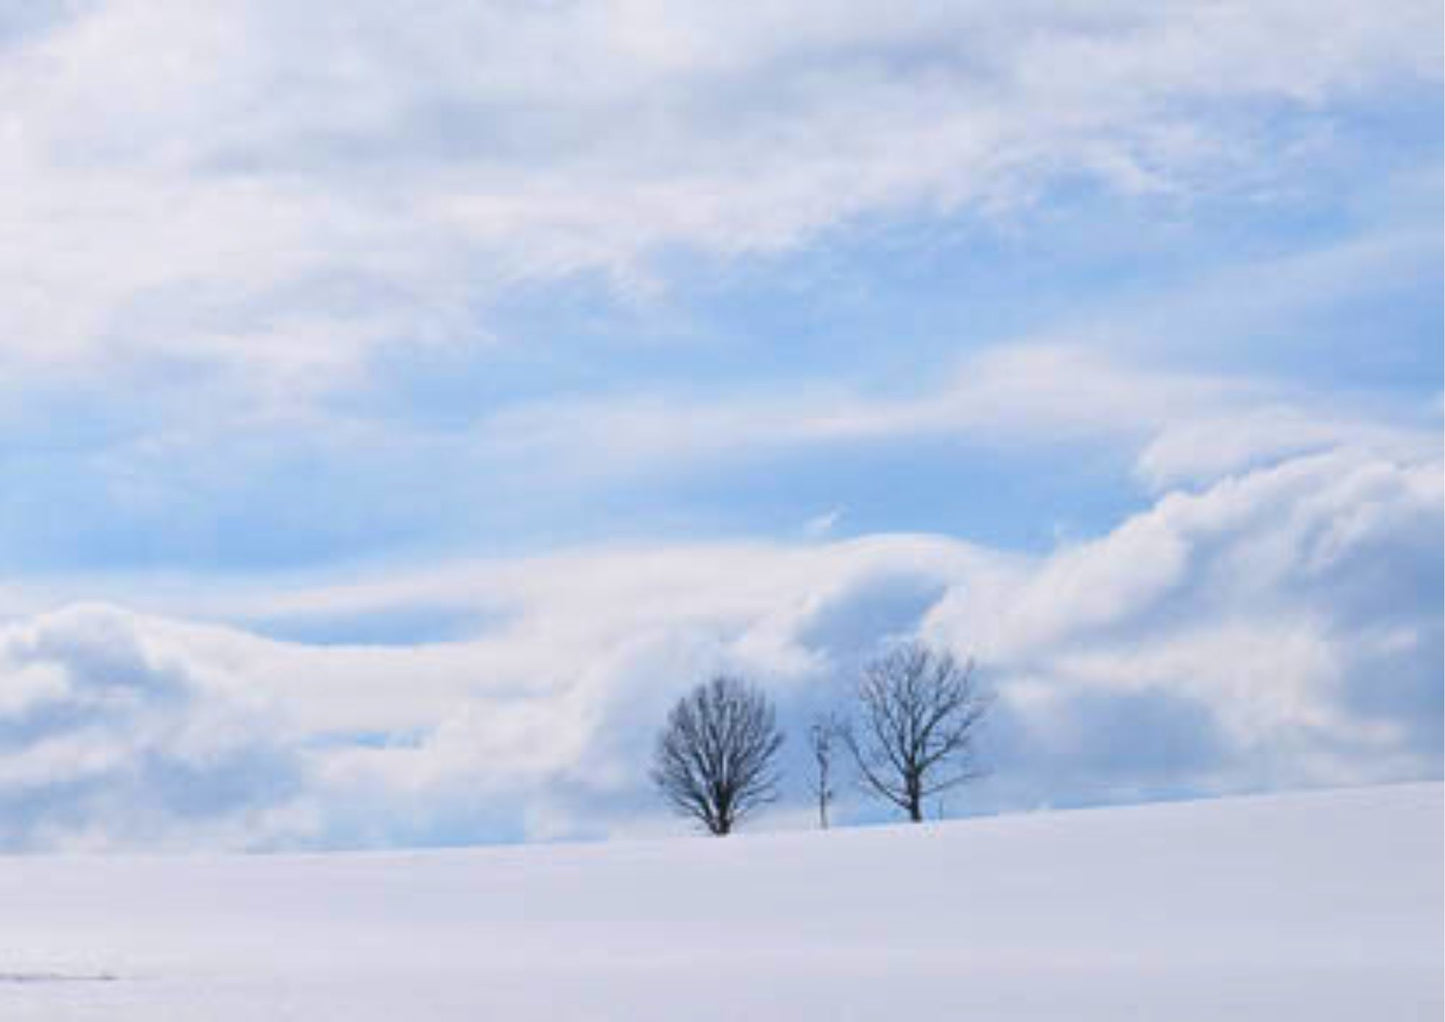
(398, 411)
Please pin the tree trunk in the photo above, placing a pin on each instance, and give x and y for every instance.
(915, 807)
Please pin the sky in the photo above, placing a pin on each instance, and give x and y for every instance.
(400, 409)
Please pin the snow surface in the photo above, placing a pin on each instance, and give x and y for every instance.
(1319, 906)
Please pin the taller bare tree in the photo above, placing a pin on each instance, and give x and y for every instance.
(715, 757)
(919, 712)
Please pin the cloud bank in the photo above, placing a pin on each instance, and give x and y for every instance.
(1279, 627)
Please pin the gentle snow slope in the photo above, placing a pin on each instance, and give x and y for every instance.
(1311, 907)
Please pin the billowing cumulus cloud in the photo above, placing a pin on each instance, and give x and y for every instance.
(107, 737)
(1263, 610)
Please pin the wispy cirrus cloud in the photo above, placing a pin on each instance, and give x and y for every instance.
(280, 190)
(1183, 425)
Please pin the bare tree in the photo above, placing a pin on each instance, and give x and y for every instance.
(715, 757)
(822, 734)
(920, 710)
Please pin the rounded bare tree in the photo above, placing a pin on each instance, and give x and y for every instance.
(920, 710)
(715, 757)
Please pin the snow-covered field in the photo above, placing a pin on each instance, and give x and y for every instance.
(1313, 907)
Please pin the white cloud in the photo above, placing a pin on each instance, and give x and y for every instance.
(1281, 627)
(280, 189)
(1272, 599)
(1188, 427)
(108, 737)
(821, 525)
